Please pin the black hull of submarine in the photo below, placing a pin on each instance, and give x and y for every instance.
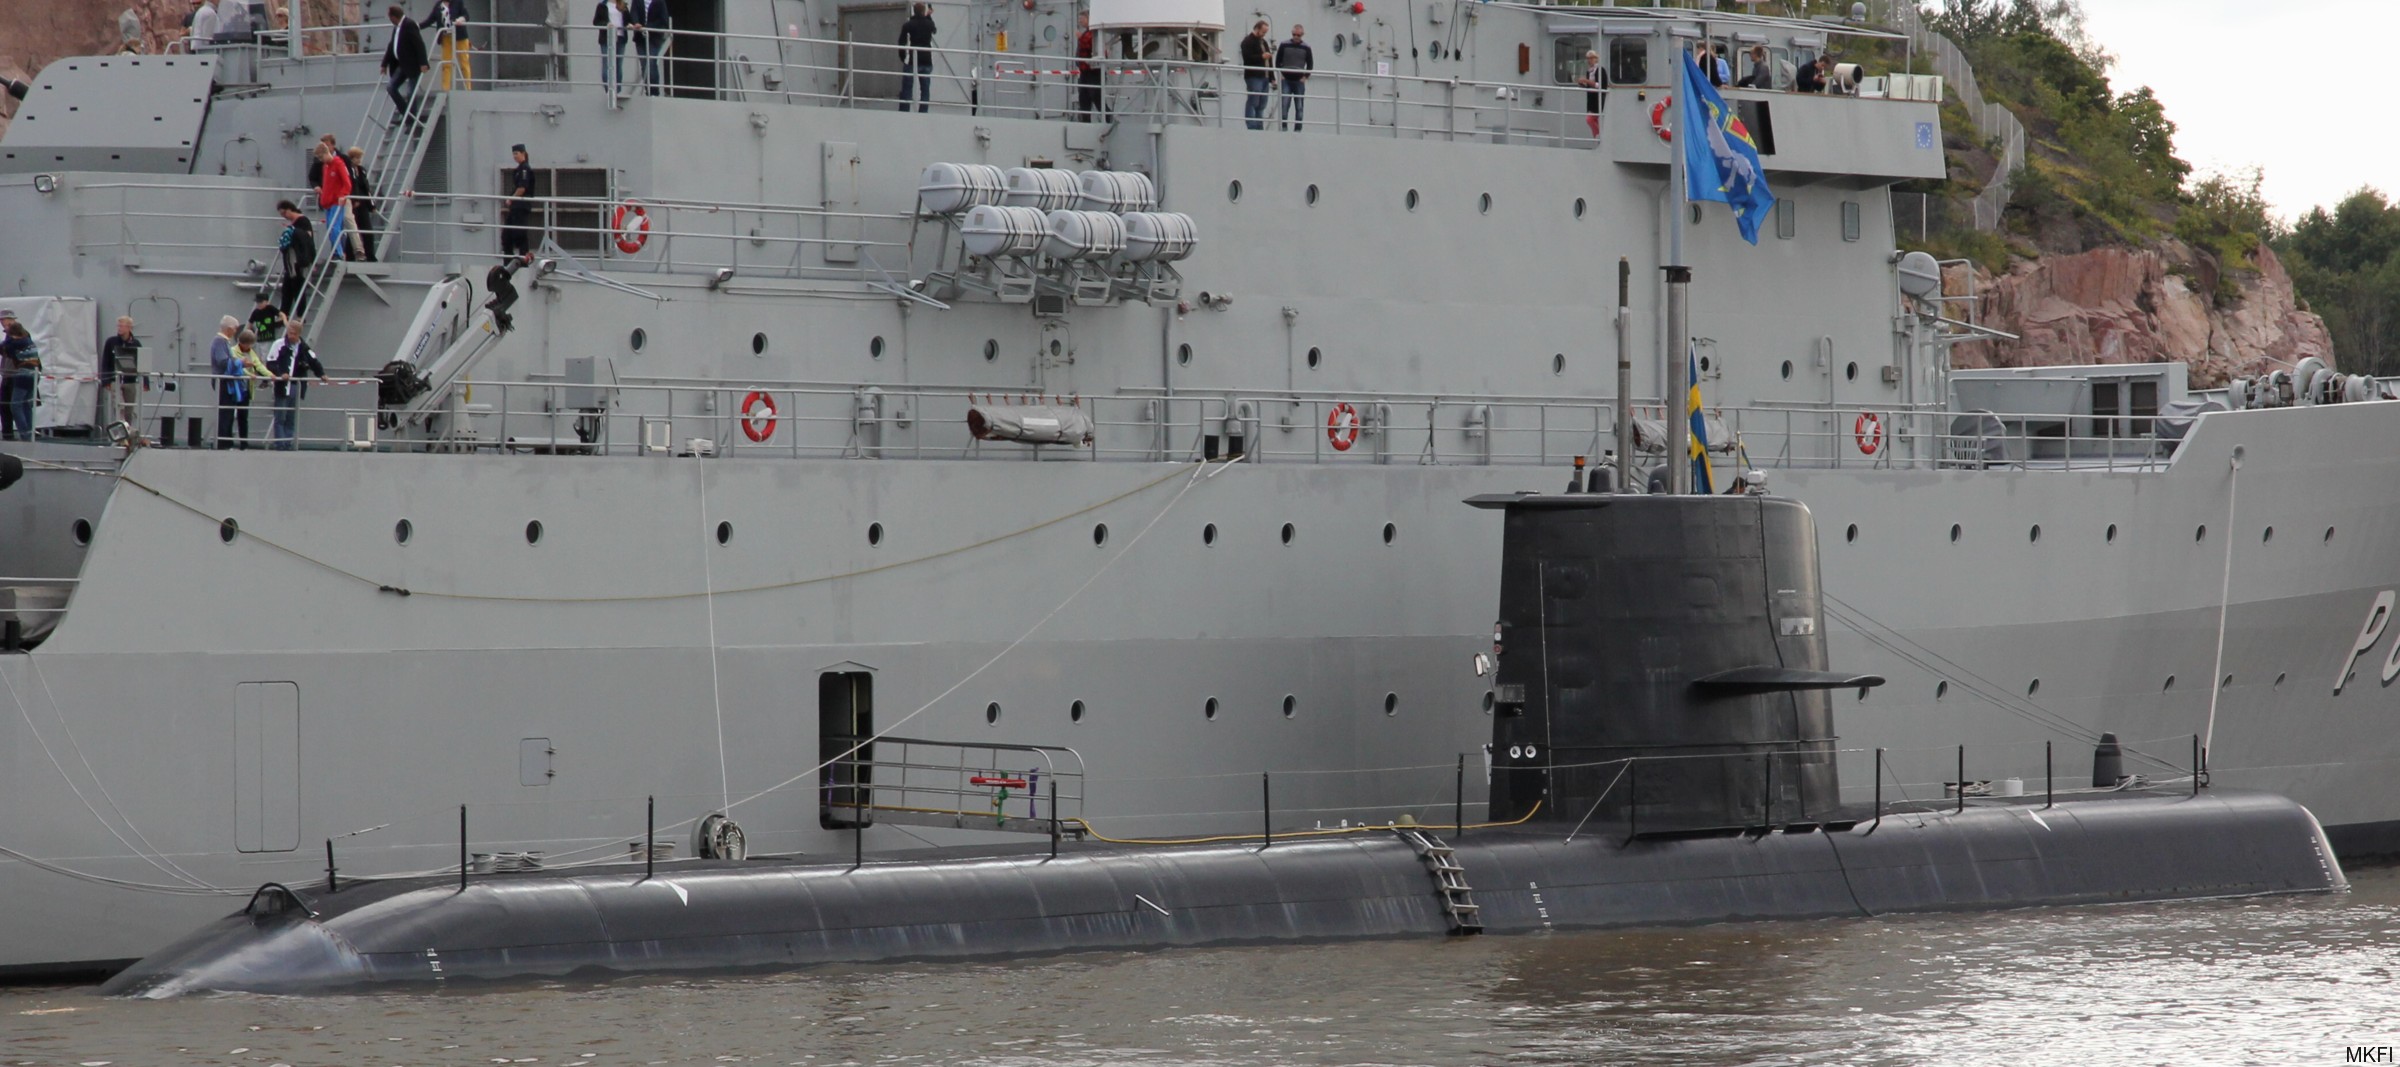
(953, 905)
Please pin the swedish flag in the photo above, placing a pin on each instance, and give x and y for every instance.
(1720, 159)
(1703, 478)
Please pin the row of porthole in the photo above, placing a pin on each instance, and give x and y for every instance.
(1410, 199)
(1849, 373)
(1941, 690)
(2034, 533)
(404, 530)
(1208, 708)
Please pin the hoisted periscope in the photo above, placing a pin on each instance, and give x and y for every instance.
(1663, 752)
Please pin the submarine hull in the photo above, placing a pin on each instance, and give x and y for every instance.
(956, 904)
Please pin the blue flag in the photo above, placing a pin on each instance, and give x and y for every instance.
(1704, 479)
(1720, 160)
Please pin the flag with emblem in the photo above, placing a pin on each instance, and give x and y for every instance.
(1720, 158)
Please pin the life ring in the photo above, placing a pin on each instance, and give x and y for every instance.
(1868, 429)
(1658, 118)
(758, 416)
(631, 225)
(1341, 427)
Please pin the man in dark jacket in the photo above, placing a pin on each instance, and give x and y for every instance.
(120, 373)
(404, 60)
(1295, 59)
(516, 220)
(297, 244)
(292, 363)
(1257, 75)
(916, 57)
(651, 25)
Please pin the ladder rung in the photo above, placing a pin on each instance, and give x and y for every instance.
(1466, 907)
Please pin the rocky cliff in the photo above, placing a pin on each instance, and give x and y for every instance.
(2139, 305)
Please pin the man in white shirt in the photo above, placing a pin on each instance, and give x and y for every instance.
(204, 26)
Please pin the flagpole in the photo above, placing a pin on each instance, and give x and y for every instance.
(1676, 390)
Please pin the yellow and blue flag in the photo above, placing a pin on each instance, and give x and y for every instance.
(1704, 479)
(1720, 158)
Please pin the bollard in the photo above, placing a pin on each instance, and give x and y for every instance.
(462, 848)
(2049, 779)
(331, 886)
(1962, 778)
(1878, 792)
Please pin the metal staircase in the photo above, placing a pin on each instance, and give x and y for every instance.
(395, 151)
(1449, 879)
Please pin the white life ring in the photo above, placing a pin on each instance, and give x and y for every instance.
(1341, 427)
(631, 226)
(1868, 429)
(1658, 118)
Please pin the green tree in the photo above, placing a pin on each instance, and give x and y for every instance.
(2346, 264)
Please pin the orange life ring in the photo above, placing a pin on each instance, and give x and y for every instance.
(1658, 118)
(1341, 427)
(1868, 429)
(758, 416)
(631, 225)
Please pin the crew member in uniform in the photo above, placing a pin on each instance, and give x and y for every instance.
(516, 237)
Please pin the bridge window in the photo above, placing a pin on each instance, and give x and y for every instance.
(1566, 57)
(1629, 60)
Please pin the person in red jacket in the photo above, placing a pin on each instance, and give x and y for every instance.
(333, 191)
(1087, 73)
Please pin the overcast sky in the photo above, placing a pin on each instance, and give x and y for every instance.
(2298, 87)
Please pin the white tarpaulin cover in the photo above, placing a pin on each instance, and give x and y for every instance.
(68, 330)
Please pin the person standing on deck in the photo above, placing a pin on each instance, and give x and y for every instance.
(516, 235)
(404, 61)
(1595, 82)
(1294, 58)
(916, 57)
(292, 364)
(120, 372)
(233, 387)
(20, 378)
(1087, 73)
(449, 22)
(297, 244)
(1258, 75)
(650, 23)
(333, 192)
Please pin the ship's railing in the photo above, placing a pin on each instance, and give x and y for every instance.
(898, 421)
(967, 785)
(1039, 85)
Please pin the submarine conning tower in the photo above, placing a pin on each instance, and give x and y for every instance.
(1660, 663)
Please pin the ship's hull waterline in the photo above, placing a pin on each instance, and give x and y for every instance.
(137, 751)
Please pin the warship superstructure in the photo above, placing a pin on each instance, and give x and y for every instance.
(1110, 449)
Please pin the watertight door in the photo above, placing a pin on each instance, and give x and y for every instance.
(266, 766)
(845, 715)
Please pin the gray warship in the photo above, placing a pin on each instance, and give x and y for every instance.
(849, 472)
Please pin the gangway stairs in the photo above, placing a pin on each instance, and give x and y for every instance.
(395, 152)
(1449, 879)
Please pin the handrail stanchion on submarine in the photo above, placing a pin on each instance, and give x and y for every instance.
(1662, 685)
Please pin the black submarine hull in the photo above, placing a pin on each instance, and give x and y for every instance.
(951, 904)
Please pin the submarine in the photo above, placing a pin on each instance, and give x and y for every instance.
(1662, 753)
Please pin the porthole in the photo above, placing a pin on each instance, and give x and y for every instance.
(1434, 49)
(1390, 531)
(2279, 677)
(403, 530)
(2226, 683)
(2112, 533)
(1315, 356)
(1941, 689)
(724, 533)
(875, 348)
(1100, 534)
(1291, 704)
(1695, 214)
(991, 349)
(1787, 370)
(1288, 531)
(638, 339)
(1579, 207)
(1183, 354)
(1337, 44)
(1483, 204)
(1050, 32)
(1057, 346)
(227, 530)
(1558, 363)
(2200, 533)
(2267, 535)
(1233, 190)
(1208, 709)
(83, 531)
(1487, 701)
(1391, 703)
(1850, 372)
(1410, 200)
(874, 533)
(1851, 534)
(1954, 532)
(2032, 687)
(1075, 712)
(2168, 686)
(1704, 364)
(1312, 196)
(991, 713)
(2034, 534)
(758, 344)
(1208, 534)
(2329, 535)
(533, 532)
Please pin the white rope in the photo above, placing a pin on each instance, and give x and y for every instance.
(2216, 684)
